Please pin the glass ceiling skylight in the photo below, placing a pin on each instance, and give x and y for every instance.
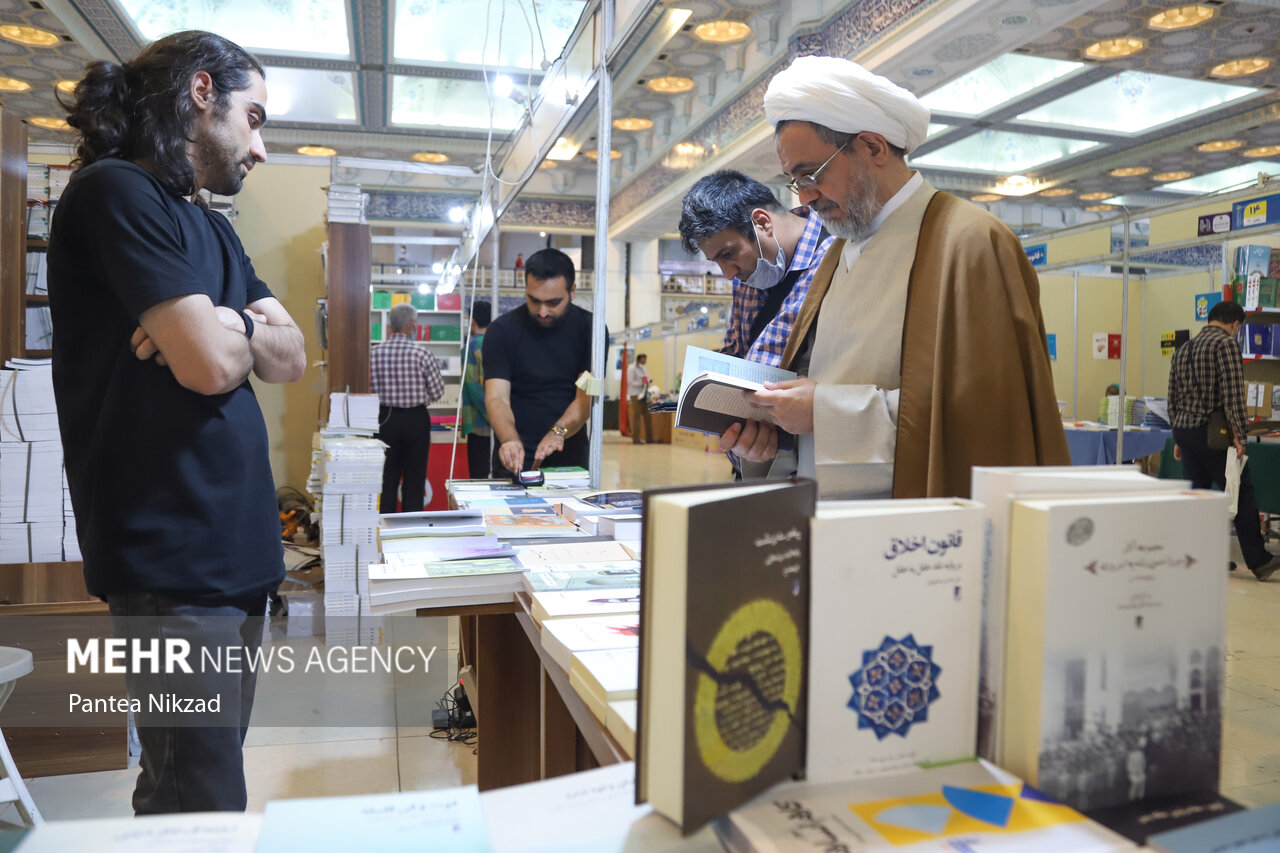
(996, 83)
(448, 103)
(303, 27)
(1135, 102)
(467, 32)
(1002, 153)
(1214, 181)
(295, 94)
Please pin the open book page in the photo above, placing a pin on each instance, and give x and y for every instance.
(698, 360)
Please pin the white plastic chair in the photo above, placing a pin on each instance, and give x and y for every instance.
(14, 663)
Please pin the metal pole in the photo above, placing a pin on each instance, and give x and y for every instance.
(604, 140)
(1124, 339)
(1075, 345)
(1142, 341)
(494, 235)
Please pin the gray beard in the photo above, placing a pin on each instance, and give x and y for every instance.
(859, 212)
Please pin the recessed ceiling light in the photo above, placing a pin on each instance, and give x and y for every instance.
(431, 157)
(28, 35)
(1180, 18)
(1262, 151)
(1129, 171)
(1100, 208)
(1058, 192)
(316, 151)
(10, 84)
(1114, 48)
(1165, 177)
(1095, 196)
(614, 154)
(1240, 67)
(50, 123)
(547, 164)
(68, 86)
(690, 149)
(670, 85)
(632, 123)
(1220, 145)
(986, 197)
(722, 32)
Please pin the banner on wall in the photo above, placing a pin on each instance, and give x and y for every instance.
(1166, 344)
(1256, 212)
(1037, 254)
(1113, 346)
(1100, 346)
(1214, 223)
(1053, 346)
(1205, 303)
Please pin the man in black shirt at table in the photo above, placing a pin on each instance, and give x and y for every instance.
(533, 356)
(158, 320)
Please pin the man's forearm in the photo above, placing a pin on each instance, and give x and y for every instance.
(576, 414)
(279, 352)
(502, 420)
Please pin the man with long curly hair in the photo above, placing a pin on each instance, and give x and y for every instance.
(158, 321)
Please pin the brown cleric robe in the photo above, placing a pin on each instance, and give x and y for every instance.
(976, 385)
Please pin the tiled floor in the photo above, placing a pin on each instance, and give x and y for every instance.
(283, 762)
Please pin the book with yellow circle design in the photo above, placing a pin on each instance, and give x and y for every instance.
(724, 629)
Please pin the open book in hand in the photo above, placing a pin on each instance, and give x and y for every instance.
(713, 395)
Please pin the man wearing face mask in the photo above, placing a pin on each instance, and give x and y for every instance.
(769, 253)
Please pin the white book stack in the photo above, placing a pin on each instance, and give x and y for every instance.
(39, 328)
(59, 177)
(37, 182)
(350, 473)
(70, 539)
(353, 412)
(35, 510)
(38, 273)
(347, 203)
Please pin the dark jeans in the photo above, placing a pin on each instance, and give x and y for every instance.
(407, 434)
(576, 453)
(478, 456)
(1206, 468)
(191, 762)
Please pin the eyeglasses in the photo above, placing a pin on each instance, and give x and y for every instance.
(810, 182)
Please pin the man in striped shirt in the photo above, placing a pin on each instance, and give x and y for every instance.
(770, 254)
(1207, 374)
(406, 379)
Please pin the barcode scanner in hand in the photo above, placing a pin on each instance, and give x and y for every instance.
(528, 478)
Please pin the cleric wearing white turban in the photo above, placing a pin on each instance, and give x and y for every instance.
(920, 343)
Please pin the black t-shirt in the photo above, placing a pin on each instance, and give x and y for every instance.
(542, 366)
(172, 490)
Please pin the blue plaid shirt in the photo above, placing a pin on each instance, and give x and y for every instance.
(768, 348)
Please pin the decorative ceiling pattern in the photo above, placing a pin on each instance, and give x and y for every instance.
(384, 90)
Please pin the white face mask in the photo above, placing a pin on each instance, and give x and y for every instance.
(767, 273)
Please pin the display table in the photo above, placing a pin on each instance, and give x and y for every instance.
(1263, 467)
(1098, 447)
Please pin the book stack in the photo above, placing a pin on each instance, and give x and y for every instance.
(567, 477)
(353, 413)
(36, 520)
(1151, 412)
(346, 203)
(401, 583)
(37, 273)
(59, 177)
(349, 472)
(1110, 413)
(38, 201)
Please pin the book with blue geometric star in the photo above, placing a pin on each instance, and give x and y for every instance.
(894, 628)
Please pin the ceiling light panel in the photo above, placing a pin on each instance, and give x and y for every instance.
(313, 28)
(997, 83)
(1134, 102)
(449, 103)
(1222, 179)
(306, 95)
(1002, 153)
(1180, 18)
(463, 32)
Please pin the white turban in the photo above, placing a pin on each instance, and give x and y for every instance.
(847, 98)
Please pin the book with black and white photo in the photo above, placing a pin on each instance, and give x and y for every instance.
(1115, 645)
(724, 630)
(996, 489)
